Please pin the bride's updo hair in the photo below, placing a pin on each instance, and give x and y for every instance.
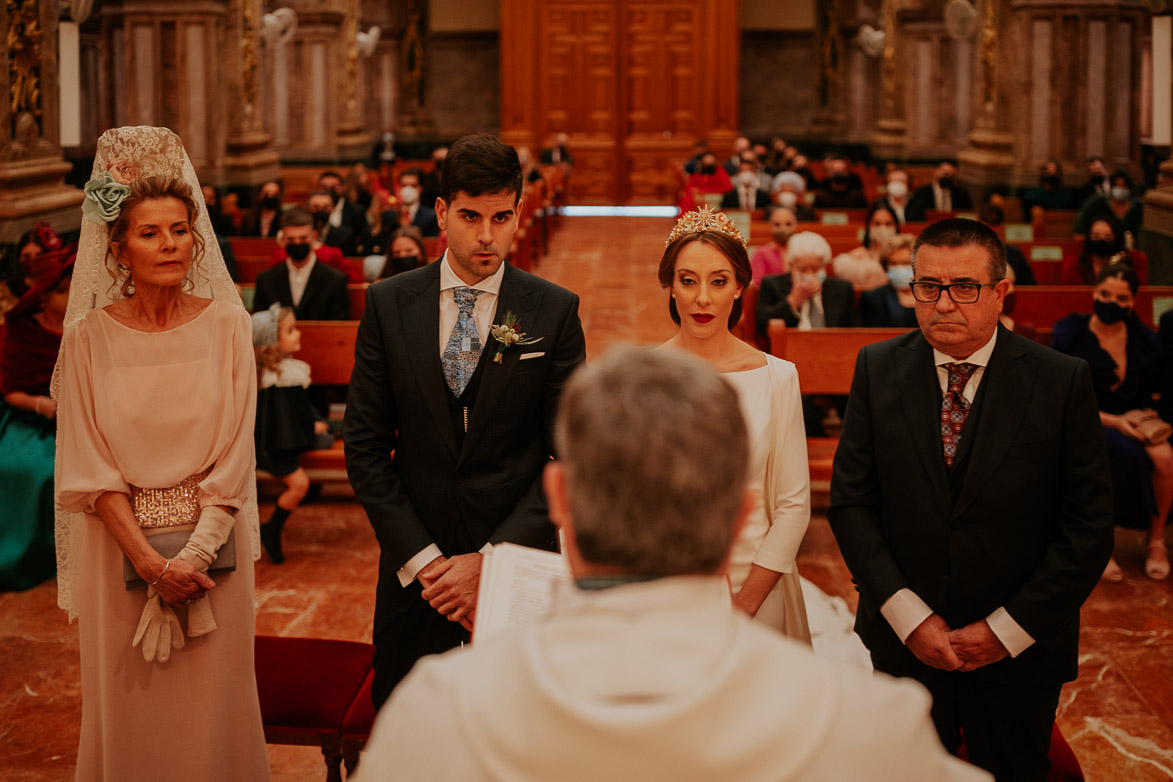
(149, 189)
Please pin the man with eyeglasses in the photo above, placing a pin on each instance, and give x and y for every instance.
(971, 500)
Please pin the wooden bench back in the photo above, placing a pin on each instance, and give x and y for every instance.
(825, 358)
(328, 347)
(1045, 305)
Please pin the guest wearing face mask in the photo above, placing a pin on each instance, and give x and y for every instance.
(709, 179)
(1097, 179)
(806, 298)
(1118, 203)
(897, 197)
(943, 193)
(1125, 364)
(384, 155)
(842, 189)
(411, 211)
(320, 205)
(1103, 247)
(264, 219)
(789, 190)
(771, 258)
(303, 227)
(313, 290)
(405, 251)
(746, 194)
(221, 222)
(1051, 192)
(863, 267)
(892, 306)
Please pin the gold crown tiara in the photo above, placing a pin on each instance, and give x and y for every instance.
(705, 219)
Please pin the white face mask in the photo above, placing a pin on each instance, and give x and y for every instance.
(409, 194)
(747, 178)
(788, 199)
(882, 233)
(897, 189)
(1121, 193)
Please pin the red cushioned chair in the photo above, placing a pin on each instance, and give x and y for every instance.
(1064, 765)
(356, 728)
(307, 687)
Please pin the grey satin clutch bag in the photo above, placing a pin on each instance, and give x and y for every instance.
(171, 543)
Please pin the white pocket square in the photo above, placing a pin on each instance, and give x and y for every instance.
(524, 356)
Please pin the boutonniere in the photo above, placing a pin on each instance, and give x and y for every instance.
(509, 333)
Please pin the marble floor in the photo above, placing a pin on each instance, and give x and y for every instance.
(1118, 716)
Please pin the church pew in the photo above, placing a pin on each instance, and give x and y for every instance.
(1055, 223)
(1045, 305)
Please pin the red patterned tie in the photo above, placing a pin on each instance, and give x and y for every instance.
(954, 409)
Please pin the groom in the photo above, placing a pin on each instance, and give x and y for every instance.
(448, 428)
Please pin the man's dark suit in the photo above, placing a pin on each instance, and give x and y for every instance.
(1023, 520)
(325, 296)
(839, 309)
(425, 220)
(732, 199)
(925, 198)
(456, 489)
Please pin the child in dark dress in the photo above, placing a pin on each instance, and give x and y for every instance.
(287, 423)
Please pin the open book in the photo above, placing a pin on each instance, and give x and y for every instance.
(517, 588)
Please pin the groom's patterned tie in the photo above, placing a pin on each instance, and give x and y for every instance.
(954, 409)
(464, 346)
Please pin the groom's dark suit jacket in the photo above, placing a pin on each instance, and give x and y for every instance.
(1023, 520)
(457, 490)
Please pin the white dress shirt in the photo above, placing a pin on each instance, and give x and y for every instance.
(943, 199)
(483, 313)
(905, 610)
(299, 277)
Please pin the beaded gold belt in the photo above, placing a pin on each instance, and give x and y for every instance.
(168, 507)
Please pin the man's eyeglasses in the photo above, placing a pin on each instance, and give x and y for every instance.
(960, 292)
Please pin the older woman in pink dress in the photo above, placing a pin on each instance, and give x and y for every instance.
(156, 399)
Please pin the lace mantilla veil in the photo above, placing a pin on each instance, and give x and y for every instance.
(154, 152)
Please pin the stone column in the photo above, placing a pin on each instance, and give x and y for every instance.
(891, 133)
(32, 168)
(988, 158)
(249, 157)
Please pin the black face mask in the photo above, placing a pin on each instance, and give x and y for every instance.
(1050, 180)
(708, 170)
(364, 198)
(297, 252)
(839, 179)
(404, 263)
(946, 182)
(1102, 248)
(1110, 312)
(320, 219)
(270, 202)
(1098, 179)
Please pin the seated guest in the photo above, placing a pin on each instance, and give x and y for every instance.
(29, 344)
(801, 166)
(344, 211)
(1125, 362)
(405, 251)
(559, 153)
(892, 306)
(746, 195)
(323, 253)
(344, 238)
(1051, 193)
(863, 267)
(384, 154)
(897, 195)
(411, 210)
(264, 219)
(788, 189)
(709, 179)
(741, 145)
(430, 183)
(771, 258)
(221, 222)
(943, 193)
(806, 297)
(36, 241)
(842, 189)
(1104, 246)
(992, 215)
(1119, 203)
(1097, 180)
(314, 290)
(643, 669)
(1027, 330)
(699, 148)
(529, 167)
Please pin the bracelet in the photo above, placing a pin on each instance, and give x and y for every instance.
(160, 578)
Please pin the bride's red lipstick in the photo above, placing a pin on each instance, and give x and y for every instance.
(702, 317)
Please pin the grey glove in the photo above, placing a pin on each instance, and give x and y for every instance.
(212, 530)
(158, 629)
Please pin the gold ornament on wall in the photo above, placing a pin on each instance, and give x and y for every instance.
(24, 57)
(248, 53)
(349, 35)
(990, 53)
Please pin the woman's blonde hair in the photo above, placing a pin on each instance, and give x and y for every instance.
(149, 189)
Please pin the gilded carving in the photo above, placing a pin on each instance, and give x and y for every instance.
(24, 57)
(413, 48)
(248, 53)
(990, 53)
(350, 35)
(829, 52)
(889, 60)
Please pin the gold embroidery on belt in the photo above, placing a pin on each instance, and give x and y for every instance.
(169, 507)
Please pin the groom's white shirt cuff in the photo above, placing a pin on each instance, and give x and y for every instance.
(905, 611)
(413, 566)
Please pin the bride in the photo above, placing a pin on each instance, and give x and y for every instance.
(705, 267)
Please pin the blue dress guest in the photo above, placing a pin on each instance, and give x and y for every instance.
(28, 428)
(1125, 363)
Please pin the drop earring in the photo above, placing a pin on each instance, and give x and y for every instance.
(128, 286)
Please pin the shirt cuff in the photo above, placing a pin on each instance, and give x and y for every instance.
(1010, 633)
(411, 569)
(485, 549)
(905, 612)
